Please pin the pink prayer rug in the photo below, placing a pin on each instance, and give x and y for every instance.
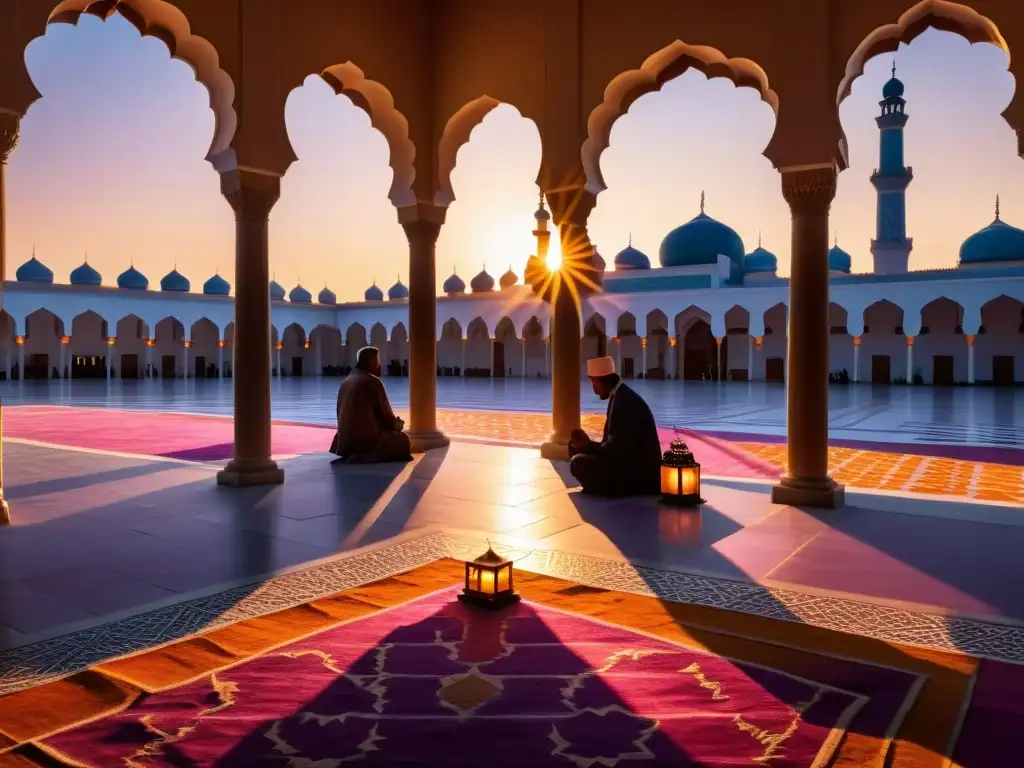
(431, 682)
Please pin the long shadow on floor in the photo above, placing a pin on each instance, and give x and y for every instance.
(643, 525)
(191, 538)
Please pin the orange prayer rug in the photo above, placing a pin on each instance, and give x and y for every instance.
(398, 672)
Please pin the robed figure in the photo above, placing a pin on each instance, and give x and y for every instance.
(627, 461)
(368, 430)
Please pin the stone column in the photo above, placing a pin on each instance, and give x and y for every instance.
(21, 364)
(750, 357)
(643, 356)
(523, 348)
(856, 359)
(490, 365)
(422, 224)
(910, 359)
(110, 359)
(251, 195)
(220, 358)
(809, 192)
(674, 355)
(970, 358)
(9, 126)
(188, 352)
(718, 355)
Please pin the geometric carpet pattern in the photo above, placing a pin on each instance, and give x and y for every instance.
(396, 672)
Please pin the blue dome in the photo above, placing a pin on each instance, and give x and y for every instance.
(509, 279)
(373, 293)
(838, 259)
(893, 89)
(398, 291)
(217, 286)
(482, 283)
(133, 279)
(300, 295)
(86, 275)
(34, 271)
(175, 281)
(326, 296)
(700, 241)
(454, 284)
(760, 260)
(630, 258)
(997, 242)
(276, 291)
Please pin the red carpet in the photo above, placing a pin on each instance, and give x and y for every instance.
(527, 686)
(210, 438)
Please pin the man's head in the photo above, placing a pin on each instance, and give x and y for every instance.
(368, 359)
(603, 378)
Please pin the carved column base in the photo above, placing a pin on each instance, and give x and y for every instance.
(240, 473)
(425, 441)
(555, 449)
(809, 492)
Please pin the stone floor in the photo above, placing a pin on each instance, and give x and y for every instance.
(100, 537)
(982, 417)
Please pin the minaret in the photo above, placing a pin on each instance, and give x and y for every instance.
(891, 246)
(542, 234)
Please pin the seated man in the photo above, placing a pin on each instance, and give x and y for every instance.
(368, 430)
(627, 461)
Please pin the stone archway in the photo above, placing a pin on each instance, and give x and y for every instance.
(701, 353)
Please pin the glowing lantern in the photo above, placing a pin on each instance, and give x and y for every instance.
(489, 581)
(279, 346)
(19, 340)
(65, 339)
(112, 340)
(188, 344)
(221, 344)
(680, 476)
(305, 345)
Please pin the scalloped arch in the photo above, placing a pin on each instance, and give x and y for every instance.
(456, 133)
(376, 100)
(162, 20)
(659, 68)
(940, 14)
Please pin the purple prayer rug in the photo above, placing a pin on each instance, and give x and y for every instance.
(432, 682)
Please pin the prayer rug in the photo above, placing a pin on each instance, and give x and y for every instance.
(399, 673)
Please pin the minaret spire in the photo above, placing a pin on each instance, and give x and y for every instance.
(997, 206)
(894, 66)
(759, 238)
(630, 243)
(702, 201)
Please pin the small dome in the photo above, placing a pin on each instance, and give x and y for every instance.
(894, 88)
(217, 286)
(373, 293)
(276, 291)
(997, 242)
(397, 292)
(300, 295)
(759, 261)
(175, 281)
(509, 279)
(838, 259)
(630, 258)
(326, 296)
(86, 275)
(454, 285)
(482, 283)
(132, 279)
(542, 212)
(700, 241)
(34, 271)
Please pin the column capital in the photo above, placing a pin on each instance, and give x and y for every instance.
(422, 213)
(251, 194)
(10, 134)
(809, 191)
(570, 205)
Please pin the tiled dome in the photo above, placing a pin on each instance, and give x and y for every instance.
(482, 283)
(34, 271)
(300, 295)
(326, 296)
(630, 258)
(86, 275)
(700, 241)
(217, 286)
(175, 281)
(132, 279)
(398, 292)
(838, 259)
(276, 291)
(373, 293)
(509, 279)
(454, 285)
(998, 242)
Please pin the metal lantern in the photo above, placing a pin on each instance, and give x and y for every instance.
(680, 476)
(489, 582)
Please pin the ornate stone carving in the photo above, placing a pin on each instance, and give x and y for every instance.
(251, 195)
(9, 135)
(809, 191)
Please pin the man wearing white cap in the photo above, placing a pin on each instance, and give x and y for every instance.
(627, 461)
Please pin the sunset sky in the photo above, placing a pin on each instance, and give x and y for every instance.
(111, 165)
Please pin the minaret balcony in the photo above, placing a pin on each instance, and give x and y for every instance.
(892, 181)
